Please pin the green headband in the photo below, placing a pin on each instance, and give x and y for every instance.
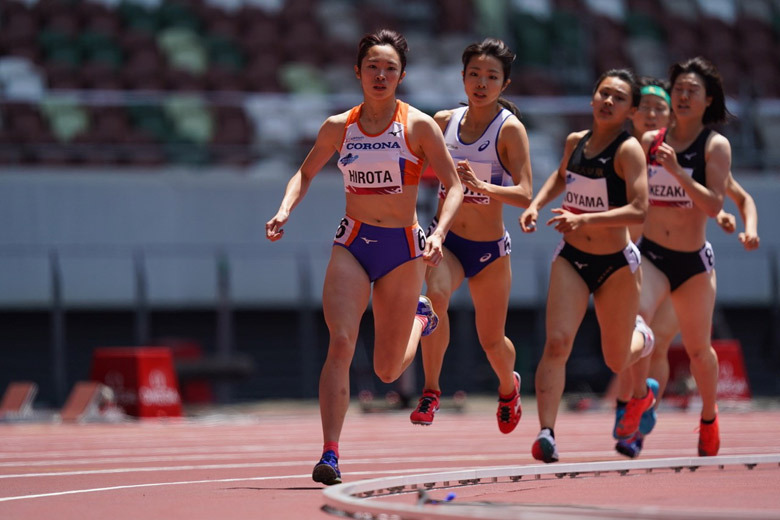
(655, 90)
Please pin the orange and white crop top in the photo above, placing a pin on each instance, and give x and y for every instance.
(378, 164)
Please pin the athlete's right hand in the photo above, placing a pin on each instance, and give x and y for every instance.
(726, 221)
(527, 220)
(273, 228)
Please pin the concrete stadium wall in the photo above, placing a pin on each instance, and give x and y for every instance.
(173, 231)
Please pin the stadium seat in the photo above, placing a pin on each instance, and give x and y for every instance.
(66, 118)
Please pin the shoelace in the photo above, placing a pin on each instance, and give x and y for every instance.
(425, 404)
(330, 459)
(506, 413)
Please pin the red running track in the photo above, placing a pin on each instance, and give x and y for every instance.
(255, 463)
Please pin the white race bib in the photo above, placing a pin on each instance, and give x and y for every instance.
(483, 172)
(382, 177)
(665, 190)
(584, 194)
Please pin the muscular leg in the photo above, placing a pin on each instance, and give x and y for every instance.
(694, 302)
(655, 288)
(344, 299)
(617, 303)
(397, 333)
(567, 301)
(665, 328)
(441, 282)
(490, 294)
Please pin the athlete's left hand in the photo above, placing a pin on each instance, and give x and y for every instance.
(566, 221)
(468, 177)
(434, 252)
(749, 241)
(667, 157)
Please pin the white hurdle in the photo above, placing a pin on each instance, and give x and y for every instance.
(349, 499)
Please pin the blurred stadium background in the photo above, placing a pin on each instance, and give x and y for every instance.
(144, 143)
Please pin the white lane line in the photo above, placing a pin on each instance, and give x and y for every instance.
(360, 457)
(191, 482)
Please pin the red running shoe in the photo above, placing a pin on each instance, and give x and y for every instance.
(629, 423)
(426, 408)
(709, 439)
(509, 412)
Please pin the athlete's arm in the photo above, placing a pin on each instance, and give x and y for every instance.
(552, 187)
(427, 140)
(327, 142)
(747, 209)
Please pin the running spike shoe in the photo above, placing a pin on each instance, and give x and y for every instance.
(709, 439)
(326, 471)
(427, 407)
(544, 448)
(425, 308)
(632, 446)
(649, 417)
(509, 412)
(629, 423)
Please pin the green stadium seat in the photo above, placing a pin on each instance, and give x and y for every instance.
(191, 119)
(151, 120)
(533, 40)
(183, 49)
(66, 119)
(301, 78)
(223, 52)
(138, 17)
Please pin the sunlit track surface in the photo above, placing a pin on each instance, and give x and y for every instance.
(349, 499)
(254, 462)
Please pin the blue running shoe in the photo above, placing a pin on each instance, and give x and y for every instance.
(425, 308)
(619, 411)
(647, 422)
(632, 446)
(327, 469)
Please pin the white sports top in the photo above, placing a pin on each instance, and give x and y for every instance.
(482, 154)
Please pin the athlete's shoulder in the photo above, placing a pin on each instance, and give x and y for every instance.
(333, 128)
(575, 137)
(417, 115)
(338, 119)
(717, 139)
(418, 122)
(513, 123)
(444, 116)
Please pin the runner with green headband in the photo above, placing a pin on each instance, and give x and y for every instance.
(654, 112)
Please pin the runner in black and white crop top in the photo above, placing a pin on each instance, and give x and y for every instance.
(664, 189)
(592, 185)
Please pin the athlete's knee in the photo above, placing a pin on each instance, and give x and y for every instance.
(341, 346)
(440, 298)
(558, 346)
(616, 360)
(702, 354)
(495, 343)
(386, 372)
